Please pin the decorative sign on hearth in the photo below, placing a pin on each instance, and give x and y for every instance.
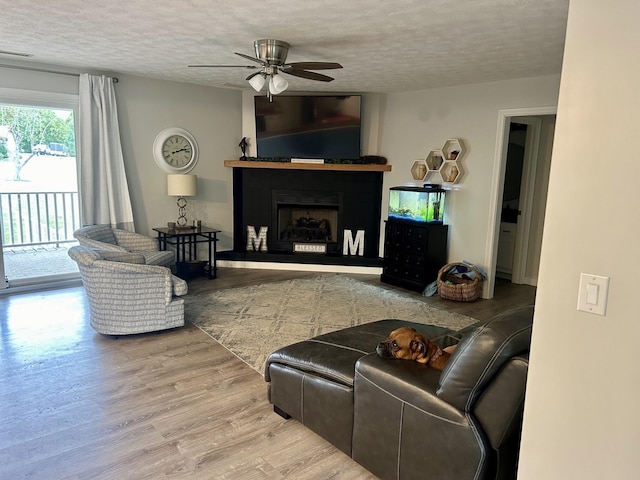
(352, 245)
(310, 248)
(257, 241)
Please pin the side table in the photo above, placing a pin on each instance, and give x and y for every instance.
(186, 239)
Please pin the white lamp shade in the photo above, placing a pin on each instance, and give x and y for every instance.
(257, 82)
(277, 84)
(179, 185)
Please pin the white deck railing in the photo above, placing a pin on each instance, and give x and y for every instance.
(38, 218)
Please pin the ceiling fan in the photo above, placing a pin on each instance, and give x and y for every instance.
(271, 56)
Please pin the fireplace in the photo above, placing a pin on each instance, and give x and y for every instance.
(306, 217)
(320, 214)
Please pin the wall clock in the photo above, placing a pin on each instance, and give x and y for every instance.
(175, 150)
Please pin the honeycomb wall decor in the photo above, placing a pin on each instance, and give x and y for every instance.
(445, 163)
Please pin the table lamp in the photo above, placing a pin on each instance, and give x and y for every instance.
(181, 185)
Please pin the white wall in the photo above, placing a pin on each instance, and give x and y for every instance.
(581, 415)
(413, 123)
(37, 81)
(212, 116)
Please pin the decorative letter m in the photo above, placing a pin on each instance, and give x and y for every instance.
(350, 245)
(259, 241)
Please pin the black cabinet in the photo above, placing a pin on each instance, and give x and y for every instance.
(413, 253)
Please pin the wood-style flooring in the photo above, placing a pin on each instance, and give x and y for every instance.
(176, 404)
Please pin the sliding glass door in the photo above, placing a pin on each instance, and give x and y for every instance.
(38, 190)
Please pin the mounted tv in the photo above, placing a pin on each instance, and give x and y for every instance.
(323, 126)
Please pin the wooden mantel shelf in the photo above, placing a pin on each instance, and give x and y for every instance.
(344, 167)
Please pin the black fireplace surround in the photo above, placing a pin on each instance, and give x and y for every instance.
(306, 206)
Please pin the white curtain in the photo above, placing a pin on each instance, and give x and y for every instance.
(104, 192)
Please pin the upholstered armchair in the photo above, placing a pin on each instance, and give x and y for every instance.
(127, 298)
(104, 237)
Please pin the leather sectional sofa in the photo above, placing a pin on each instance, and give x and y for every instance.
(401, 419)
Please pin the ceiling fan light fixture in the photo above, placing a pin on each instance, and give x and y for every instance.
(257, 82)
(277, 84)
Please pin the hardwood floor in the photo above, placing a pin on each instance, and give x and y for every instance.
(78, 405)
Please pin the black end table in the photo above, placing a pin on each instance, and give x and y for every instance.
(185, 241)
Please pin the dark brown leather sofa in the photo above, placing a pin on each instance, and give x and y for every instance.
(403, 420)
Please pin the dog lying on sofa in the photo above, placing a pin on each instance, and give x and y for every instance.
(405, 343)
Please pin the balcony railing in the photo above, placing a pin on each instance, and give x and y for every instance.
(38, 218)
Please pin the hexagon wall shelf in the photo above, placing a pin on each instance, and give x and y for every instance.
(450, 172)
(434, 160)
(452, 149)
(419, 170)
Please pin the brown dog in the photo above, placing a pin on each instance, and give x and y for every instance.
(406, 343)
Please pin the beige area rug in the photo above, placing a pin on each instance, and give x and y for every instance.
(252, 322)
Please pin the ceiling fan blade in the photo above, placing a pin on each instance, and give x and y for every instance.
(309, 75)
(313, 65)
(253, 59)
(223, 66)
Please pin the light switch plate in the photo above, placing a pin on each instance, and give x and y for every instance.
(593, 293)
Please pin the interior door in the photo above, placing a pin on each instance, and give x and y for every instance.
(525, 203)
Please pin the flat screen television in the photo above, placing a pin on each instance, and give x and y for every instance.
(308, 126)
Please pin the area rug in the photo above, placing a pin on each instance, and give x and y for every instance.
(252, 322)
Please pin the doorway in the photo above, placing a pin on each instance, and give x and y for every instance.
(521, 173)
(39, 208)
(517, 199)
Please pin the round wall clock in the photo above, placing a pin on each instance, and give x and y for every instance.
(175, 150)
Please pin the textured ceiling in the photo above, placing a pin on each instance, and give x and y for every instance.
(384, 46)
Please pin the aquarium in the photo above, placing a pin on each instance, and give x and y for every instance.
(417, 204)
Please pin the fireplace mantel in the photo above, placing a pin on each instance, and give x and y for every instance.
(342, 167)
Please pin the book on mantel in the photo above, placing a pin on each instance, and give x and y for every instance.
(307, 160)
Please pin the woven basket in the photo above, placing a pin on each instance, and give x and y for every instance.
(451, 287)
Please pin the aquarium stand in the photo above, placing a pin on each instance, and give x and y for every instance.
(413, 253)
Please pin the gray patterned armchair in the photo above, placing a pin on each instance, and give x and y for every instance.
(127, 298)
(104, 237)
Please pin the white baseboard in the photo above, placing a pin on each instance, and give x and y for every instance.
(304, 267)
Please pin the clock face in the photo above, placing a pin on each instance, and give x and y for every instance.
(175, 150)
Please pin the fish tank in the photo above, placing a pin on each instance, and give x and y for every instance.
(417, 204)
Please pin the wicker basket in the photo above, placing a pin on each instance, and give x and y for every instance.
(452, 287)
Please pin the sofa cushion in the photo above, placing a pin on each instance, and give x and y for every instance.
(482, 353)
(119, 256)
(157, 257)
(414, 382)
